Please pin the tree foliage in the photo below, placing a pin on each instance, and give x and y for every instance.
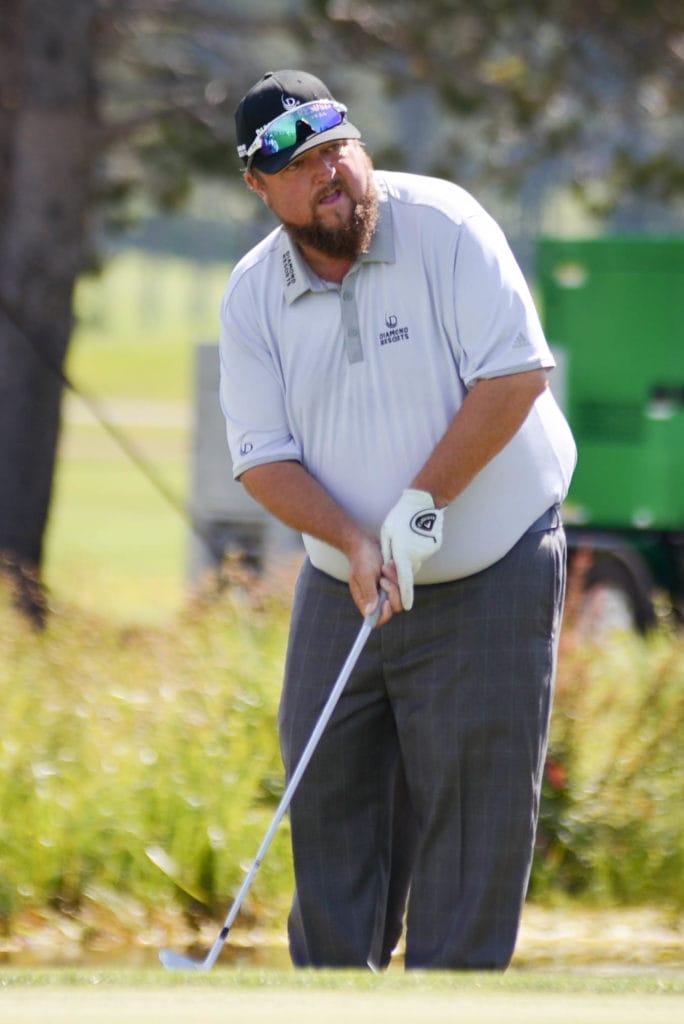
(118, 100)
(590, 91)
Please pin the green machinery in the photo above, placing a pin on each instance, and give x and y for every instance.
(613, 311)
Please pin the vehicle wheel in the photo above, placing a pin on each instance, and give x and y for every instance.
(614, 600)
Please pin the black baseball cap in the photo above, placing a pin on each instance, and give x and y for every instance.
(279, 92)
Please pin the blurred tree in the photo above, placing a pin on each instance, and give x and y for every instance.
(105, 104)
(100, 100)
(47, 123)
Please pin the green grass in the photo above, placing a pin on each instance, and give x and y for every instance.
(581, 981)
(115, 544)
(98, 997)
(137, 322)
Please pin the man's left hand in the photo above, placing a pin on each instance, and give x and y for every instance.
(411, 533)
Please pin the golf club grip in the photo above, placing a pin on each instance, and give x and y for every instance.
(372, 619)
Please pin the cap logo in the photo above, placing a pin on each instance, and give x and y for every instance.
(289, 102)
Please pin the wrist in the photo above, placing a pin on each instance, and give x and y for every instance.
(355, 541)
(419, 493)
(432, 497)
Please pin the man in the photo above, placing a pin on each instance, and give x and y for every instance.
(383, 379)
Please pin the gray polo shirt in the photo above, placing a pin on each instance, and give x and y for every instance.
(358, 382)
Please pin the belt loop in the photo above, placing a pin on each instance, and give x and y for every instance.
(548, 520)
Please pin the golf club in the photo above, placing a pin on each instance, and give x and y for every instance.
(173, 961)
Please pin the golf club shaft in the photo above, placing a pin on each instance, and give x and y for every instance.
(368, 624)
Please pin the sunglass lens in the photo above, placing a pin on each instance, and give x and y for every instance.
(283, 132)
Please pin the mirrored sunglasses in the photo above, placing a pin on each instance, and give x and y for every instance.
(285, 130)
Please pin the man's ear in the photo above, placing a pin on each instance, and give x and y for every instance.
(252, 180)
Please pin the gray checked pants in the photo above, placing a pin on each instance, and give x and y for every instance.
(419, 806)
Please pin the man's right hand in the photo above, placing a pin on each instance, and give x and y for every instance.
(290, 493)
(367, 573)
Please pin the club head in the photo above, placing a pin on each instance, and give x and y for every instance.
(173, 961)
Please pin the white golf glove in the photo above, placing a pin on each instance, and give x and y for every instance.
(411, 533)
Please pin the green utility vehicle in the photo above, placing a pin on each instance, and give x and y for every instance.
(613, 311)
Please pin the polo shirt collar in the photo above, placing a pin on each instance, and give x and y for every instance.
(298, 277)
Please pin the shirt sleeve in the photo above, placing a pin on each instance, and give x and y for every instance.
(251, 388)
(498, 327)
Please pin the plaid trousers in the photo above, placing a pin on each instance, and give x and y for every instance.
(420, 804)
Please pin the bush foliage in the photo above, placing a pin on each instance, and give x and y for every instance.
(123, 751)
(612, 814)
(144, 762)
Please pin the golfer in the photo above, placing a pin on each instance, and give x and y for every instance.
(384, 384)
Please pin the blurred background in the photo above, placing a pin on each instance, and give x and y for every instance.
(122, 211)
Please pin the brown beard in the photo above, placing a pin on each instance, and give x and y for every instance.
(349, 241)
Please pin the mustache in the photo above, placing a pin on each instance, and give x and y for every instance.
(336, 185)
(346, 241)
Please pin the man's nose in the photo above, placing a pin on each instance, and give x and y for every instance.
(325, 165)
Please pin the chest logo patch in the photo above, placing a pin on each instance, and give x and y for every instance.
(393, 331)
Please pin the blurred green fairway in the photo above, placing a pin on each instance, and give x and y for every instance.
(255, 997)
(115, 544)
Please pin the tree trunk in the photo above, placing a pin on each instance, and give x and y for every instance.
(47, 121)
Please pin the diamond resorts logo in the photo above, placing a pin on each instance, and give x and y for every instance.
(393, 333)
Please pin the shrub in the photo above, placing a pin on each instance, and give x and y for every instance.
(612, 813)
(118, 742)
(123, 751)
